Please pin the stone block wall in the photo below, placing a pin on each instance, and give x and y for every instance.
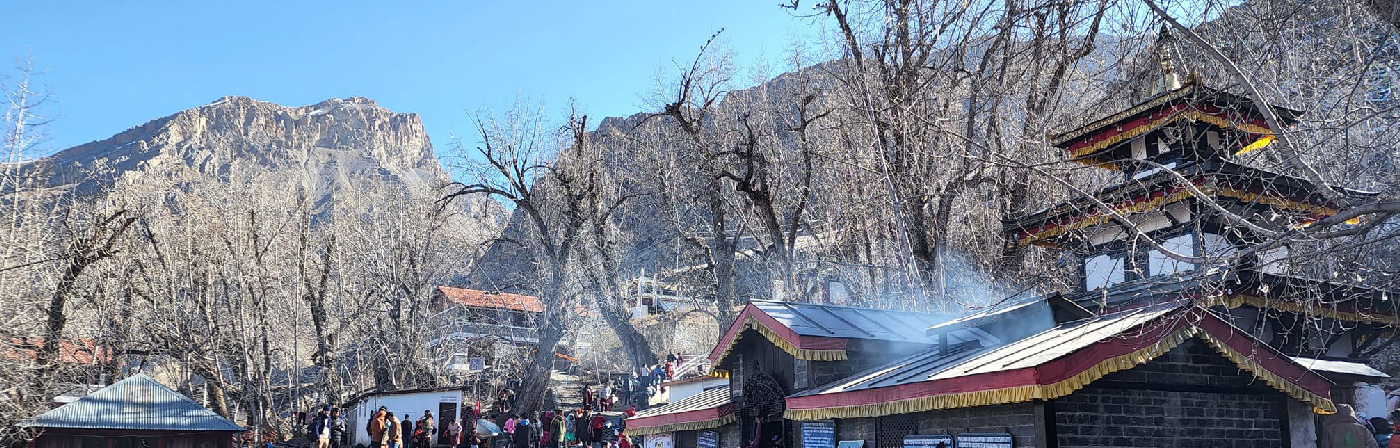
(1189, 397)
(888, 432)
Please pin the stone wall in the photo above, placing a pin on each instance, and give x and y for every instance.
(888, 432)
(1190, 396)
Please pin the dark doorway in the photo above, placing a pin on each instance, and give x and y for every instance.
(447, 413)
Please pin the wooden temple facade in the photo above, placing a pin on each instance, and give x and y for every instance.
(1153, 349)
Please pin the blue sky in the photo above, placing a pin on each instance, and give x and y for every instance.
(116, 64)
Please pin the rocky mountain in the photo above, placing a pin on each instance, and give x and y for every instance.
(340, 144)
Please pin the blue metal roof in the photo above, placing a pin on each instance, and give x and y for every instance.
(136, 403)
(809, 319)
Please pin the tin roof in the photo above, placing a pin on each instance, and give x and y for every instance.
(709, 409)
(1326, 366)
(137, 403)
(483, 299)
(808, 319)
(1029, 352)
(1052, 364)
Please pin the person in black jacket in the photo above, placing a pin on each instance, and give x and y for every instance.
(407, 430)
(337, 429)
(524, 434)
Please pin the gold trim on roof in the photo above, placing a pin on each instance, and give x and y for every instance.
(1064, 387)
(1060, 139)
(799, 353)
(1016, 394)
(1239, 300)
(1320, 405)
(687, 426)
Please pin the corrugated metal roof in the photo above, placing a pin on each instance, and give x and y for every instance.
(1343, 367)
(831, 321)
(1032, 351)
(709, 399)
(135, 403)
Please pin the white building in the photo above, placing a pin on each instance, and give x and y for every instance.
(446, 404)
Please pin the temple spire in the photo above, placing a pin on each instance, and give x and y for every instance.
(1167, 79)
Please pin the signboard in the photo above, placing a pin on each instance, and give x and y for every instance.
(851, 444)
(707, 439)
(476, 363)
(928, 441)
(662, 440)
(984, 440)
(819, 434)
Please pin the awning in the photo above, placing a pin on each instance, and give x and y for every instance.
(1330, 368)
(1053, 364)
(705, 410)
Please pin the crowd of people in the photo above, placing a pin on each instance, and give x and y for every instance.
(389, 431)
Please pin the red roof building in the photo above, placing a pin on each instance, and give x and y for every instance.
(445, 296)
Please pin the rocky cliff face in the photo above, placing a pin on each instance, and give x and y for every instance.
(340, 145)
(343, 141)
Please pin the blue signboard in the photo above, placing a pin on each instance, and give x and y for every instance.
(707, 439)
(851, 444)
(821, 434)
(928, 441)
(984, 440)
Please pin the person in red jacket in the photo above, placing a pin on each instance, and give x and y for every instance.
(595, 428)
(631, 411)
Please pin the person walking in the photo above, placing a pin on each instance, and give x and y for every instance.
(587, 398)
(559, 430)
(393, 431)
(426, 429)
(581, 427)
(375, 428)
(570, 437)
(454, 434)
(337, 429)
(605, 396)
(320, 428)
(595, 428)
(545, 426)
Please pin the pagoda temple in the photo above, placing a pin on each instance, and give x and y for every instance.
(1180, 331)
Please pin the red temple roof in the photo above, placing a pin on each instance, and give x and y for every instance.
(483, 299)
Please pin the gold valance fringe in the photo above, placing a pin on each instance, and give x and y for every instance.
(1016, 394)
(1239, 300)
(1320, 405)
(1062, 388)
(1156, 203)
(799, 353)
(687, 426)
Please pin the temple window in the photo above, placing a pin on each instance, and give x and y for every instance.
(1159, 263)
(1103, 271)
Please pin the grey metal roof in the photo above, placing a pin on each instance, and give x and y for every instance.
(832, 321)
(136, 403)
(1001, 311)
(708, 399)
(1326, 366)
(1032, 351)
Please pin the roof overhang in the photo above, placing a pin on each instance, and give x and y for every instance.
(810, 348)
(685, 416)
(1064, 375)
(1342, 370)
